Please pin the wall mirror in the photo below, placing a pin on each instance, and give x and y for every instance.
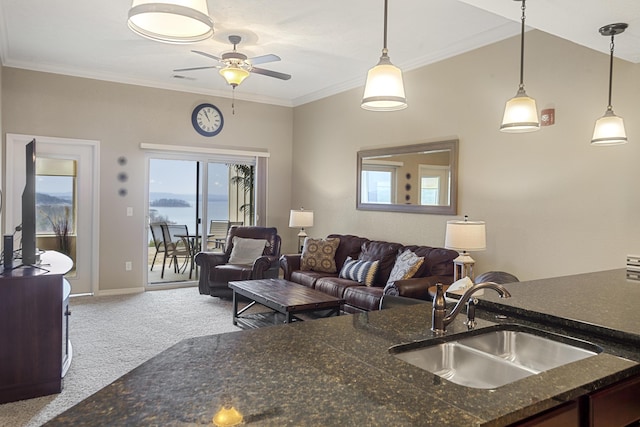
(420, 178)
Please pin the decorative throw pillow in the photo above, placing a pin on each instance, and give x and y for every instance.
(407, 263)
(246, 251)
(361, 271)
(319, 255)
(383, 252)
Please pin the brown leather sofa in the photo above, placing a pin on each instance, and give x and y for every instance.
(437, 267)
(216, 273)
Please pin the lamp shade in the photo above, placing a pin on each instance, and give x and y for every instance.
(384, 90)
(609, 130)
(520, 114)
(464, 236)
(301, 218)
(234, 75)
(171, 21)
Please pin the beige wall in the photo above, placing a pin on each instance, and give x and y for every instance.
(553, 204)
(123, 116)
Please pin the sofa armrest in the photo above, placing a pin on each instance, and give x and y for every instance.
(207, 261)
(417, 287)
(265, 267)
(290, 263)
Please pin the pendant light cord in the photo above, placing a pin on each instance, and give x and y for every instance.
(384, 41)
(610, 71)
(522, 46)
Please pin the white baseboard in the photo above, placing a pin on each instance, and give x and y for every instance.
(110, 292)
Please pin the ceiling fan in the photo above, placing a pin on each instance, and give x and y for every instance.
(236, 66)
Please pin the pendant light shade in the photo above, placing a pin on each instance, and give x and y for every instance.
(521, 112)
(234, 75)
(609, 129)
(384, 89)
(176, 21)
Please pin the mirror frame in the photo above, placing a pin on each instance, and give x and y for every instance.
(451, 209)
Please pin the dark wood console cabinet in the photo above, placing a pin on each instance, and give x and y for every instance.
(32, 333)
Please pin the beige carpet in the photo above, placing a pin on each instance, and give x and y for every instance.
(112, 335)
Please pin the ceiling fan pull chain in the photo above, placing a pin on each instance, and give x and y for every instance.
(233, 101)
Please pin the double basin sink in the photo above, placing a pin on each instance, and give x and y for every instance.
(492, 357)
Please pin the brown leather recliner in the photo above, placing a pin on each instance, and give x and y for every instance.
(216, 273)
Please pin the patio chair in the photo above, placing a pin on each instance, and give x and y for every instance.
(218, 234)
(176, 246)
(158, 242)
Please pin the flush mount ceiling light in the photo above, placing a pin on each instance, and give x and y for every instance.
(609, 129)
(177, 21)
(384, 89)
(520, 113)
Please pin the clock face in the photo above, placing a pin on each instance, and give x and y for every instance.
(207, 120)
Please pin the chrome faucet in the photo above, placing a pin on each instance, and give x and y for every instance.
(439, 319)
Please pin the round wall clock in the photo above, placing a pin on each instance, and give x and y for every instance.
(207, 120)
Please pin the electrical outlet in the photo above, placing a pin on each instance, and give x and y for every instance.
(127, 266)
(129, 211)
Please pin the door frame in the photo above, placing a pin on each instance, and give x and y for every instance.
(90, 238)
(205, 156)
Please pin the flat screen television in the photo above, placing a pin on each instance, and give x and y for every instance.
(29, 207)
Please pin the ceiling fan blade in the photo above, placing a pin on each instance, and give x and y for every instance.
(181, 77)
(270, 73)
(208, 55)
(194, 68)
(264, 59)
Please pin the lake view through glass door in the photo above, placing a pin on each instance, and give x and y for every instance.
(176, 197)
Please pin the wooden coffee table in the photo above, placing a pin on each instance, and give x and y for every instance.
(284, 297)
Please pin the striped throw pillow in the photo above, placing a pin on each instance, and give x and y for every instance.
(360, 271)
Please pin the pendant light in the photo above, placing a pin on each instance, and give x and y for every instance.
(171, 21)
(384, 89)
(609, 129)
(520, 113)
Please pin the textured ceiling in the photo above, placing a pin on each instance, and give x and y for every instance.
(326, 46)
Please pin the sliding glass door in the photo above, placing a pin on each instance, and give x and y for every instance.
(192, 203)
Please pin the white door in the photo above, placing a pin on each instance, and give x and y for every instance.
(84, 153)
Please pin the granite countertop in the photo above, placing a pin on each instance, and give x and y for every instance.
(604, 302)
(338, 371)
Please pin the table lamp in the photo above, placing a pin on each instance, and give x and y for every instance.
(301, 218)
(463, 236)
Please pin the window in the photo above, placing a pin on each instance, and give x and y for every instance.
(378, 184)
(435, 182)
(429, 187)
(55, 197)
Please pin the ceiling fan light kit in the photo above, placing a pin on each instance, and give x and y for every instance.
(520, 112)
(384, 89)
(609, 129)
(236, 66)
(178, 21)
(234, 75)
